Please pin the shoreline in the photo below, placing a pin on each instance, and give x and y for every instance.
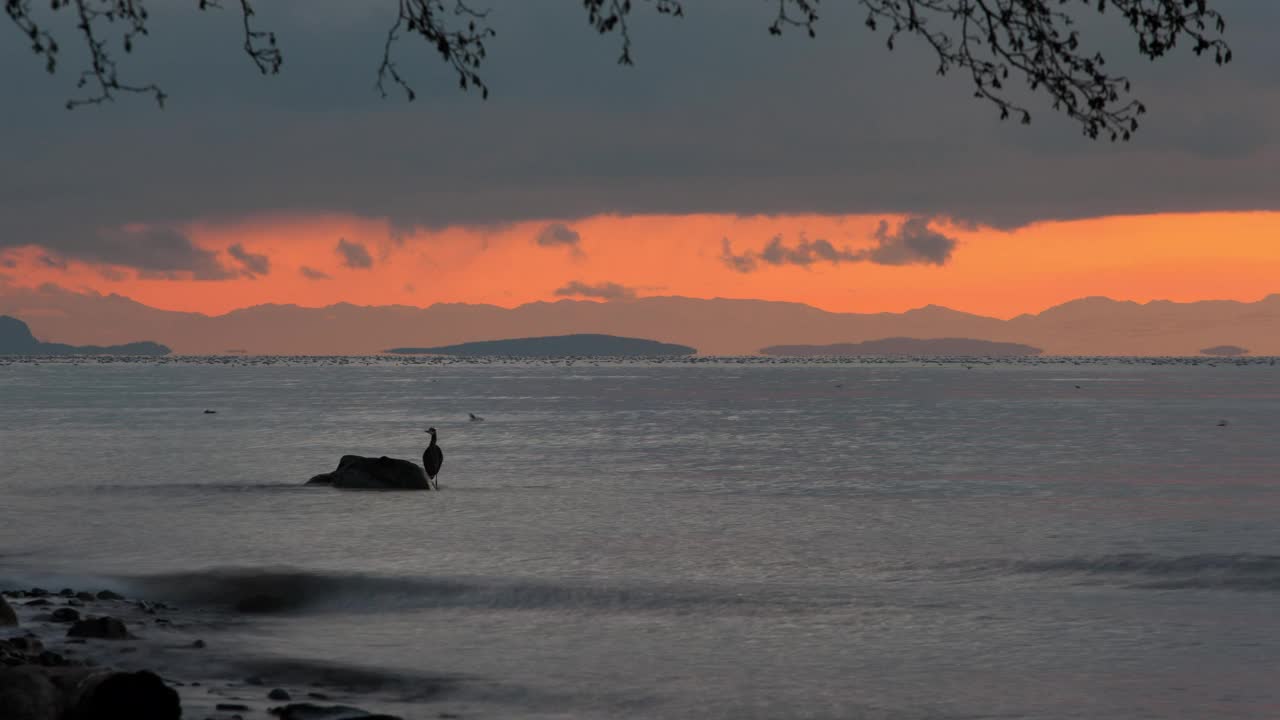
(80, 639)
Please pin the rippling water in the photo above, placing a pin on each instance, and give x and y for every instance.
(716, 540)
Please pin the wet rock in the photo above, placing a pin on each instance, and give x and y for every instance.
(67, 592)
(38, 602)
(82, 595)
(255, 680)
(65, 614)
(38, 592)
(229, 707)
(278, 694)
(7, 616)
(108, 595)
(104, 628)
(198, 644)
(49, 658)
(26, 693)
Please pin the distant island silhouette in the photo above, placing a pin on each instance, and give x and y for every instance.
(555, 346)
(16, 339)
(904, 346)
(1225, 351)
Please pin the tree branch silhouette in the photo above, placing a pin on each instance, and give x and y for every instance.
(991, 40)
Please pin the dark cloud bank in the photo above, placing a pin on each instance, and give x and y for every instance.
(716, 116)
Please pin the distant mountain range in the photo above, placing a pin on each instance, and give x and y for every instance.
(911, 347)
(16, 339)
(556, 346)
(1090, 326)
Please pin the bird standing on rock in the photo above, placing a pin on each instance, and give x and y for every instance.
(432, 459)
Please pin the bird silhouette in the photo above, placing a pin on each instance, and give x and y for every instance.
(475, 417)
(432, 459)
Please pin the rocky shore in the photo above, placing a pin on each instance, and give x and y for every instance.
(75, 655)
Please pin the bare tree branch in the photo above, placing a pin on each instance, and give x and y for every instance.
(1037, 39)
(992, 40)
(259, 45)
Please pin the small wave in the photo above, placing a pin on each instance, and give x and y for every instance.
(293, 590)
(1246, 564)
(1245, 572)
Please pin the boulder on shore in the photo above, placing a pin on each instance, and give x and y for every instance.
(7, 615)
(33, 693)
(355, 472)
(136, 695)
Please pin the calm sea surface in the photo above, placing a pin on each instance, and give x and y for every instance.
(712, 540)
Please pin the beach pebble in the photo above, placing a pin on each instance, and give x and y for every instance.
(105, 628)
(198, 644)
(278, 694)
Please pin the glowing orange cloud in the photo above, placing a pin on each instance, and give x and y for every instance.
(1176, 257)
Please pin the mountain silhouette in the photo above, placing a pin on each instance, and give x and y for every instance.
(718, 326)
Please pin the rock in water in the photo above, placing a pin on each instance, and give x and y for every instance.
(383, 473)
(26, 693)
(7, 615)
(105, 628)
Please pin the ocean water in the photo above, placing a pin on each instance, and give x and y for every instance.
(677, 540)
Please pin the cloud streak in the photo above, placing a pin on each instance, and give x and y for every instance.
(559, 235)
(252, 264)
(354, 255)
(912, 243)
(311, 273)
(602, 291)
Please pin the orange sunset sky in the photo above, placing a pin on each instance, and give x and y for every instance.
(991, 272)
